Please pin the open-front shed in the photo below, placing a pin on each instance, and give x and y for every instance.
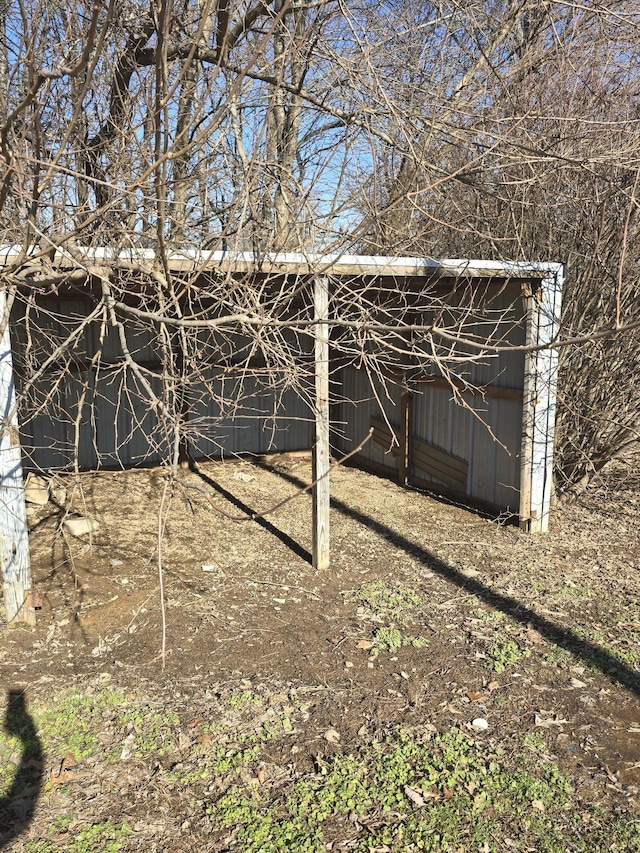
(438, 373)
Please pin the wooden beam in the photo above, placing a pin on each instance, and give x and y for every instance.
(543, 415)
(14, 549)
(321, 455)
(404, 437)
(528, 412)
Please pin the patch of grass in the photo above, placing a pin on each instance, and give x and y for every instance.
(505, 652)
(154, 732)
(393, 603)
(67, 725)
(414, 791)
(245, 699)
(624, 650)
(105, 837)
(238, 737)
(390, 639)
(558, 656)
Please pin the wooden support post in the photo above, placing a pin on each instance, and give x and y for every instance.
(528, 410)
(321, 456)
(404, 436)
(14, 548)
(539, 410)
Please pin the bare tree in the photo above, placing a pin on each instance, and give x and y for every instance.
(495, 129)
(527, 148)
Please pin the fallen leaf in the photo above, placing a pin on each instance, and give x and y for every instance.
(533, 635)
(493, 685)
(538, 805)
(474, 696)
(204, 739)
(65, 772)
(365, 644)
(414, 796)
(332, 736)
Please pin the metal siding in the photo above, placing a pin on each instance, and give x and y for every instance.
(263, 421)
(507, 426)
(118, 426)
(44, 436)
(358, 407)
(438, 420)
(126, 429)
(49, 326)
(142, 343)
(482, 459)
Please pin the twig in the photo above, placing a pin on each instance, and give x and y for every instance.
(282, 586)
(162, 522)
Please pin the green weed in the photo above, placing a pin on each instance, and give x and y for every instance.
(104, 837)
(504, 652)
(393, 603)
(414, 791)
(154, 732)
(390, 639)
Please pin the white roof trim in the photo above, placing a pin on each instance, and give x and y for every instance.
(198, 259)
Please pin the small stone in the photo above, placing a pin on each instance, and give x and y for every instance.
(480, 723)
(58, 493)
(79, 526)
(36, 490)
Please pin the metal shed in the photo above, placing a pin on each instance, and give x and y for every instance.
(483, 431)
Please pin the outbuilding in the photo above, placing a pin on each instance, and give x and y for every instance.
(440, 373)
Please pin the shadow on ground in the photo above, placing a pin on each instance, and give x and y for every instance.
(588, 652)
(18, 802)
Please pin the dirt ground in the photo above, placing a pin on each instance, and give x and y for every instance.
(432, 614)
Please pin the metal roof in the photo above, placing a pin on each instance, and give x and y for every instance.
(198, 260)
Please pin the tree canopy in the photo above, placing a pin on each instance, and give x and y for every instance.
(501, 129)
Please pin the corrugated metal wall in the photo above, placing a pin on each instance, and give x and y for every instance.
(103, 411)
(486, 432)
(247, 416)
(362, 400)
